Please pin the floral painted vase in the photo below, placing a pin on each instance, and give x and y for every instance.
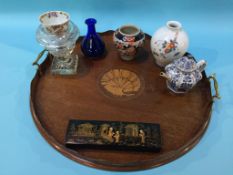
(92, 45)
(128, 39)
(183, 74)
(169, 43)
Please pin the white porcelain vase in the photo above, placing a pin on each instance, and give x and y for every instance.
(169, 43)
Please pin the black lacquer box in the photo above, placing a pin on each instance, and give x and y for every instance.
(114, 135)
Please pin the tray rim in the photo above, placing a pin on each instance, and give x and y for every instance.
(131, 166)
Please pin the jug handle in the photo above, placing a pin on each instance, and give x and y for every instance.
(217, 95)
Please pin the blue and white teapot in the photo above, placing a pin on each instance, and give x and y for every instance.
(183, 73)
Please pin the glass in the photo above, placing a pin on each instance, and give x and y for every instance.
(59, 39)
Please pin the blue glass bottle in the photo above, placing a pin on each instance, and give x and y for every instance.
(92, 45)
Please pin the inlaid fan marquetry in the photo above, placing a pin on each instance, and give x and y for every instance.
(121, 82)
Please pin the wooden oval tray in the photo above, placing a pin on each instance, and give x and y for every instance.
(57, 99)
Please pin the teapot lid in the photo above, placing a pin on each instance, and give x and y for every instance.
(185, 64)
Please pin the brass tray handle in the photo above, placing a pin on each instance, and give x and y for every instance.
(217, 95)
(35, 63)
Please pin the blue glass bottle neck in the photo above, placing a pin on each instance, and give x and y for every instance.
(91, 29)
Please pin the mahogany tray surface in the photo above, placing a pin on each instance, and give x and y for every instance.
(98, 92)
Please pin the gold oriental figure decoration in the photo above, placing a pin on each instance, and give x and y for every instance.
(117, 134)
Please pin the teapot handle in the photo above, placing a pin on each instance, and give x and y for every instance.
(201, 65)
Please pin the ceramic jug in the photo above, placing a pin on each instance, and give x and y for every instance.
(169, 43)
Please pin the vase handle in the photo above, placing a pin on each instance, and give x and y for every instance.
(217, 95)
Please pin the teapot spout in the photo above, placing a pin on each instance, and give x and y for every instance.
(201, 65)
(164, 75)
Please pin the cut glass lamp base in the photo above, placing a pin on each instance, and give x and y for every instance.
(65, 67)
